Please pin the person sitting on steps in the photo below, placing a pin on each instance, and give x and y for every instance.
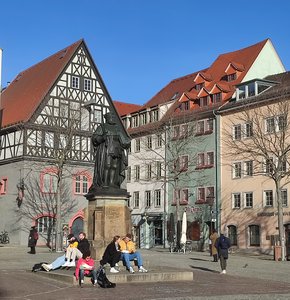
(128, 249)
(71, 254)
(112, 254)
(86, 267)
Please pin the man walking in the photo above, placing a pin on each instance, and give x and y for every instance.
(223, 244)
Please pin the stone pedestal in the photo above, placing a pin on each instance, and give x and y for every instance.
(107, 216)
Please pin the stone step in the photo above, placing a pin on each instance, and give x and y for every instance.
(124, 276)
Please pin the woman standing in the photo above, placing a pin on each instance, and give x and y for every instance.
(32, 239)
(213, 237)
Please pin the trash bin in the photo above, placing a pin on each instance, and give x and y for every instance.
(277, 253)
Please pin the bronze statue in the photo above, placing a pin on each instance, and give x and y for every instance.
(111, 159)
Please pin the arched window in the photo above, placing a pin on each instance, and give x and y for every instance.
(233, 234)
(254, 231)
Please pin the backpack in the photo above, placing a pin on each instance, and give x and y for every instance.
(103, 280)
(38, 267)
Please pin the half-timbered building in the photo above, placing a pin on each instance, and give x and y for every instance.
(49, 112)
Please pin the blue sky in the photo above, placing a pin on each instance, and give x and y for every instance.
(139, 46)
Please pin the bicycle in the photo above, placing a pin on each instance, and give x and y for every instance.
(4, 238)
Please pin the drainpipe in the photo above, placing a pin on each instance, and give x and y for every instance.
(216, 173)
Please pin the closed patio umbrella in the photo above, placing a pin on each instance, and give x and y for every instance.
(183, 231)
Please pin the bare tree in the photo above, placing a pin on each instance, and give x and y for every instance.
(32, 201)
(174, 156)
(266, 126)
(60, 150)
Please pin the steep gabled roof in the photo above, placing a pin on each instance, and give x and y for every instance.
(25, 93)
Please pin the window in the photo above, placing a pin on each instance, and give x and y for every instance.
(205, 160)
(149, 142)
(158, 140)
(136, 200)
(97, 115)
(237, 134)
(135, 122)
(148, 198)
(248, 199)
(236, 200)
(81, 184)
(248, 168)
(49, 139)
(184, 163)
(269, 166)
(203, 101)
(203, 193)
(232, 77)
(209, 125)
(137, 173)
(254, 231)
(217, 97)
(154, 116)
(237, 170)
(75, 83)
(3, 186)
(284, 198)
(268, 198)
(199, 86)
(281, 123)
(200, 127)
(176, 132)
(232, 230)
(148, 172)
(45, 224)
(128, 174)
(157, 198)
(137, 145)
(88, 85)
(158, 170)
(143, 119)
(248, 130)
(181, 195)
(282, 167)
(270, 125)
(184, 130)
(48, 183)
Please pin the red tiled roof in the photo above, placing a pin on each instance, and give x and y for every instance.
(179, 85)
(25, 93)
(126, 108)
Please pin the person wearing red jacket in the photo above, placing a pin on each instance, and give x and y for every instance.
(86, 267)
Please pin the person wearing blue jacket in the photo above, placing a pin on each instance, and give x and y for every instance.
(223, 244)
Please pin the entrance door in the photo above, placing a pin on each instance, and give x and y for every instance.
(158, 232)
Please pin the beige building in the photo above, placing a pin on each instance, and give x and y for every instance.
(255, 164)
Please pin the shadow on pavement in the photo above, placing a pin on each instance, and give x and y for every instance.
(204, 269)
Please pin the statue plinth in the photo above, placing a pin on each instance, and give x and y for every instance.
(107, 216)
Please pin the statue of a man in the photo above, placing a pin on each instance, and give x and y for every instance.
(111, 159)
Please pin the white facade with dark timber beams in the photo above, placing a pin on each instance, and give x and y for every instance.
(49, 114)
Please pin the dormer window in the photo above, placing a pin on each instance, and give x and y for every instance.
(203, 101)
(231, 77)
(199, 86)
(253, 88)
(216, 97)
